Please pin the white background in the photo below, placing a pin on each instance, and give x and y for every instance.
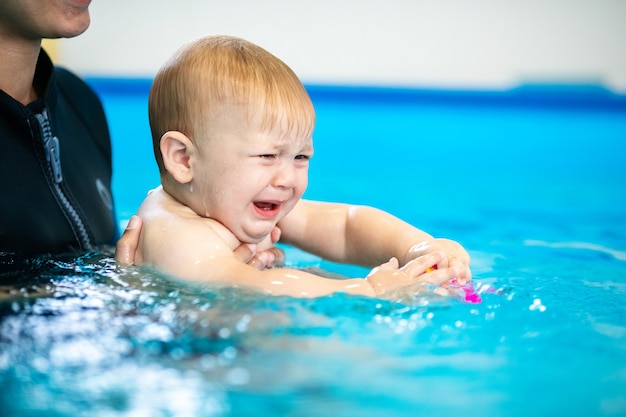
(412, 43)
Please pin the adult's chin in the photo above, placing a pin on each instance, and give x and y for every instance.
(76, 28)
(72, 22)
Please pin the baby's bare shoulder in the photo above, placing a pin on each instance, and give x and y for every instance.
(167, 220)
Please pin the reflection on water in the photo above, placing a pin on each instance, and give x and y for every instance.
(83, 336)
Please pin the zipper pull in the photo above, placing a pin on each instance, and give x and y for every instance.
(52, 145)
(53, 151)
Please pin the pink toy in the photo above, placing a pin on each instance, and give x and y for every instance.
(469, 292)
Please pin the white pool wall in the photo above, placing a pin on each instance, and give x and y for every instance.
(476, 44)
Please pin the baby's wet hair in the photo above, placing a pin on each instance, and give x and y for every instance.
(214, 71)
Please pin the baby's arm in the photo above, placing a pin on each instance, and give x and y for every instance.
(223, 267)
(199, 249)
(367, 236)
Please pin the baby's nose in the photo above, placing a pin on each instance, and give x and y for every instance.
(285, 176)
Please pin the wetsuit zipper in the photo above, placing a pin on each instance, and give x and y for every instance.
(52, 151)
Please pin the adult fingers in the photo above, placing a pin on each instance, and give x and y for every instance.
(129, 241)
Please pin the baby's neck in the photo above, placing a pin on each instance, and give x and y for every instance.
(181, 203)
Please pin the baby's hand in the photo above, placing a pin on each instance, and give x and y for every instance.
(389, 276)
(264, 255)
(456, 259)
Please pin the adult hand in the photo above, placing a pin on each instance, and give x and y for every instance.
(129, 241)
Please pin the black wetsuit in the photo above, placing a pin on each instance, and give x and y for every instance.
(55, 170)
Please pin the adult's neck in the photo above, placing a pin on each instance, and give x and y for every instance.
(18, 60)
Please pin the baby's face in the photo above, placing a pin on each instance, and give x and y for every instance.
(249, 176)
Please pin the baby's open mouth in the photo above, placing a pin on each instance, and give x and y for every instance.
(267, 209)
(263, 205)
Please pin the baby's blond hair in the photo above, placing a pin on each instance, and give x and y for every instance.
(214, 71)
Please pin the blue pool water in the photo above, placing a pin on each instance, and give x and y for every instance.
(532, 181)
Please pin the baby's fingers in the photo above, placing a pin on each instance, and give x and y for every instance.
(275, 234)
(391, 265)
(245, 252)
(464, 273)
(441, 276)
(419, 266)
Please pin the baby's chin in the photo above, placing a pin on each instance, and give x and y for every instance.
(257, 239)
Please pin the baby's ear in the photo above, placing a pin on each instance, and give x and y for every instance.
(176, 149)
